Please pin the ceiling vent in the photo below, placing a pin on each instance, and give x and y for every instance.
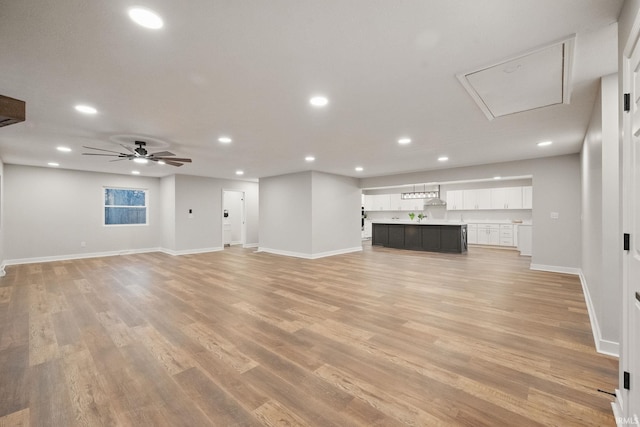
(11, 111)
(535, 79)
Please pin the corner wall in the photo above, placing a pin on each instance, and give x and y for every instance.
(285, 214)
(310, 215)
(601, 226)
(335, 214)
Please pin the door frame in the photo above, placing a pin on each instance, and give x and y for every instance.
(243, 216)
(629, 352)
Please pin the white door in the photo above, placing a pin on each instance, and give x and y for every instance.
(630, 351)
(233, 218)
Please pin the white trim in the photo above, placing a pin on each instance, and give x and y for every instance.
(309, 256)
(555, 269)
(616, 406)
(189, 251)
(610, 348)
(250, 245)
(78, 256)
(2, 272)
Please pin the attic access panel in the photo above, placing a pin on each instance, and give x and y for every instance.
(535, 79)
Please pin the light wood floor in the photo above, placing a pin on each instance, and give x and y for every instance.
(383, 337)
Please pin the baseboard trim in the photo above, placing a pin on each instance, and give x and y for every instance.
(603, 346)
(69, 257)
(556, 269)
(616, 406)
(2, 272)
(250, 245)
(190, 251)
(309, 256)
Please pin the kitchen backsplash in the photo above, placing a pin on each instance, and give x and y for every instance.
(467, 216)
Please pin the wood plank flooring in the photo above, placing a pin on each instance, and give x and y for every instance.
(237, 338)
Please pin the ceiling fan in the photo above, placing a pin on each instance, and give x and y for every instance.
(140, 155)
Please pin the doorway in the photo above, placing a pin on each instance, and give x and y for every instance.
(233, 218)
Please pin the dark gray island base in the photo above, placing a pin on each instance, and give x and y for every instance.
(421, 237)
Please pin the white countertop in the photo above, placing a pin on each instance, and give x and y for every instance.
(415, 222)
(446, 222)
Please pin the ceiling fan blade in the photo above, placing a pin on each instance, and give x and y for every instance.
(162, 154)
(117, 160)
(100, 154)
(128, 149)
(173, 159)
(101, 149)
(169, 162)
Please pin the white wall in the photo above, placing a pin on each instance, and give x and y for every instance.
(601, 261)
(202, 230)
(48, 213)
(51, 211)
(336, 213)
(285, 213)
(203, 196)
(556, 188)
(611, 292)
(168, 203)
(310, 214)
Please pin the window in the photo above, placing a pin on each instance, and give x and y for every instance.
(125, 206)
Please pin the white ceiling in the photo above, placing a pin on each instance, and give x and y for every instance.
(247, 69)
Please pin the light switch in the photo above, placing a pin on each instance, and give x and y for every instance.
(555, 215)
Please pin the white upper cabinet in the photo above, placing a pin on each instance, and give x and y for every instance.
(477, 199)
(395, 202)
(506, 198)
(527, 197)
(455, 200)
(377, 202)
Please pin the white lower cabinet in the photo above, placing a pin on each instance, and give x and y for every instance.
(488, 234)
(472, 233)
(506, 235)
(491, 234)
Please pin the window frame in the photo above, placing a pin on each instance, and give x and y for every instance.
(105, 206)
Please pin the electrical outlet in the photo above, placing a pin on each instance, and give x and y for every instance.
(83, 244)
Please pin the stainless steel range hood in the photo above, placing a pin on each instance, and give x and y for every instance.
(435, 201)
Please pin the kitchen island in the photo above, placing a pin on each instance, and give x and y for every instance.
(434, 236)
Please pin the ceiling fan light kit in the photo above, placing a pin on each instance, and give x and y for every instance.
(140, 155)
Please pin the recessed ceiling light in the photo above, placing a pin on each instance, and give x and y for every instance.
(404, 141)
(161, 162)
(319, 101)
(224, 139)
(141, 160)
(497, 177)
(54, 164)
(86, 109)
(145, 18)
(239, 172)
(443, 158)
(64, 149)
(135, 172)
(544, 143)
(309, 158)
(359, 168)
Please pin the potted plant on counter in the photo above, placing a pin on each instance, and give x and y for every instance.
(412, 215)
(420, 217)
